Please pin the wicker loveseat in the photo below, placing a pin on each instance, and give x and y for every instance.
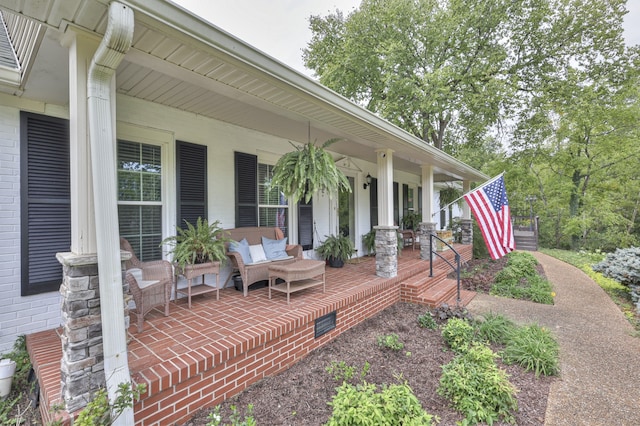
(259, 271)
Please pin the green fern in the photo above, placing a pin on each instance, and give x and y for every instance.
(308, 170)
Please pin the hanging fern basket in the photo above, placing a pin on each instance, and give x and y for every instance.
(308, 170)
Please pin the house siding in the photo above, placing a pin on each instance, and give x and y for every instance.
(19, 315)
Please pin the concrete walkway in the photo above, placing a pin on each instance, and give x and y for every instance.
(599, 359)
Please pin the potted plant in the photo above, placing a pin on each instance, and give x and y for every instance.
(369, 241)
(307, 170)
(411, 220)
(201, 244)
(335, 250)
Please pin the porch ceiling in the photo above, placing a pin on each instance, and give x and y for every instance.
(181, 61)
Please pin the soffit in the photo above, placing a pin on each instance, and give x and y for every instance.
(183, 62)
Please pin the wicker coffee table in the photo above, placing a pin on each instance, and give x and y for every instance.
(297, 276)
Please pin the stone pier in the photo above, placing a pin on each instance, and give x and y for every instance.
(82, 363)
(386, 251)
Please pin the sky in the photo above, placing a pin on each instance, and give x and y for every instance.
(280, 28)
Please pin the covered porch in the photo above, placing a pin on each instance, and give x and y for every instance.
(201, 356)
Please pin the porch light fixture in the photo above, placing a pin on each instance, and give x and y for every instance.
(368, 183)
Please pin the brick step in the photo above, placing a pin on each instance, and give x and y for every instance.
(435, 295)
(466, 296)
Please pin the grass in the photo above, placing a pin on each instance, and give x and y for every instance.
(619, 293)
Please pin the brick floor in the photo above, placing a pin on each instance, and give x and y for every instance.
(214, 349)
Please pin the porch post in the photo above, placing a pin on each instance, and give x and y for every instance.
(467, 223)
(386, 231)
(81, 47)
(427, 226)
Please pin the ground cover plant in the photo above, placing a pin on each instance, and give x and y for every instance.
(519, 279)
(300, 395)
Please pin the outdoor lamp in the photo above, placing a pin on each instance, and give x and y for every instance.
(368, 183)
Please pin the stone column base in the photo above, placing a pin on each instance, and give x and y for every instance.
(386, 251)
(425, 230)
(466, 226)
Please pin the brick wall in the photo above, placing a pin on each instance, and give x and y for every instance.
(18, 315)
(227, 368)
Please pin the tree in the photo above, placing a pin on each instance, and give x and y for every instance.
(433, 66)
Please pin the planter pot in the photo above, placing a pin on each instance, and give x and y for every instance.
(192, 271)
(335, 262)
(7, 368)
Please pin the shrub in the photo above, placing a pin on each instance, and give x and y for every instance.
(533, 348)
(390, 341)
(343, 373)
(99, 412)
(477, 387)
(458, 334)
(426, 321)
(495, 328)
(623, 265)
(520, 280)
(363, 405)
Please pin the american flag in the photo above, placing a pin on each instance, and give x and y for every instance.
(490, 206)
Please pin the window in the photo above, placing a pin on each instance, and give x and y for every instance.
(45, 201)
(140, 197)
(273, 209)
(191, 161)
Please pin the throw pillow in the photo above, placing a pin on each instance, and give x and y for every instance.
(257, 253)
(274, 249)
(241, 247)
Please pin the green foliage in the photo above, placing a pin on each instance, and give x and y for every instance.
(411, 219)
(477, 387)
(337, 247)
(215, 419)
(520, 280)
(20, 356)
(344, 373)
(426, 320)
(623, 266)
(6, 406)
(458, 334)
(495, 328)
(362, 404)
(390, 341)
(533, 348)
(99, 412)
(201, 243)
(369, 241)
(308, 170)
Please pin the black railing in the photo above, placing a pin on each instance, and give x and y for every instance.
(456, 268)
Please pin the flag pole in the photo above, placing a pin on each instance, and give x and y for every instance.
(474, 189)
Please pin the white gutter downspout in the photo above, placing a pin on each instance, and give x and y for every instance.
(115, 44)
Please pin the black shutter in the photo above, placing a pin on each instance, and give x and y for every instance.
(191, 160)
(45, 201)
(246, 177)
(305, 224)
(405, 199)
(396, 204)
(373, 202)
(424, 219)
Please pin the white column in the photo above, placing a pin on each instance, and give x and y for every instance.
(385, 187)
(466, 211)
(81, 47)
(427, 193)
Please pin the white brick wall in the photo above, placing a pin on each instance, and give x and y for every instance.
(18, 315)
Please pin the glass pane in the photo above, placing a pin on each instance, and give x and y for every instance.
(129, 188)
(150, 158)
(346, 211)
(267, 194)
(128, 155)
(151, 185)
(129, 219)
(151, 219)
(274, 217)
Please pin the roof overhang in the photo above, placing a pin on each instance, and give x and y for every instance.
(179, 60)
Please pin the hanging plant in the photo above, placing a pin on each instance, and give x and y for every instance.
(307, 170)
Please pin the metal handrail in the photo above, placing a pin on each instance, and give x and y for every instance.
(455, 268)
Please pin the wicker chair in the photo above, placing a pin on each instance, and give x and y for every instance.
(153, 286)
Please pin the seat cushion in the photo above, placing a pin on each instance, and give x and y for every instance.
(257, 253)
(274, 249)
(241, 247)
